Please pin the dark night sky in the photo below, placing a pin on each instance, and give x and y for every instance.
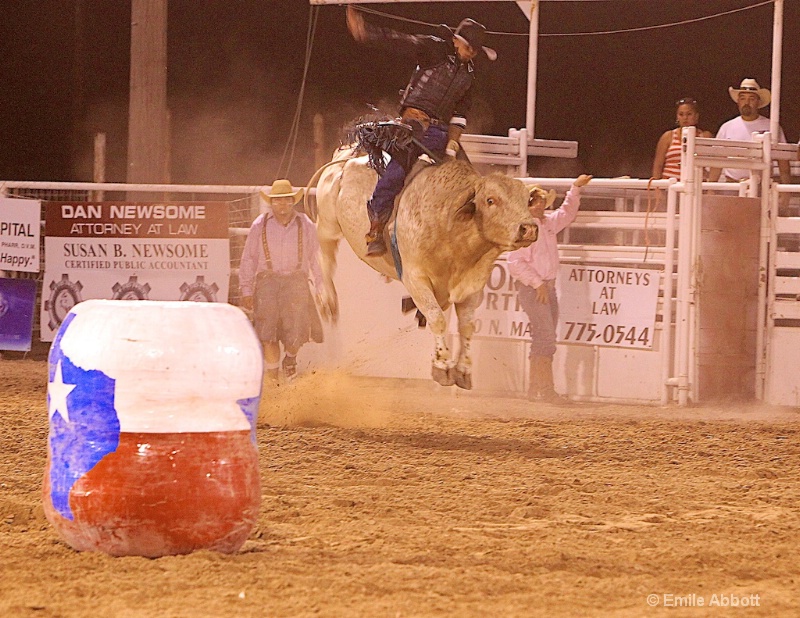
(235, 67)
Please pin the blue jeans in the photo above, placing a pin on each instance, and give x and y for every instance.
(391, 183)
(543, 318)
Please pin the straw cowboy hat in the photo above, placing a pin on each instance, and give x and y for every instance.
(282, 188)
(751, 85)
(472, 33)
(548, 196)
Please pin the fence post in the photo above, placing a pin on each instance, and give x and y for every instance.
(682, 324)
(99, 164)
(667, 360)
(768, 213)
(523, 152)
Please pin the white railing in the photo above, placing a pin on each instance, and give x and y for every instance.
(782, 386)
(513, 151)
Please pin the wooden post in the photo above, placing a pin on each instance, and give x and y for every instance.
(79, 84)
(99, 164)
(147, 124)
(320, 157)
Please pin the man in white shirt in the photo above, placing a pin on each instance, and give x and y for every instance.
(749, 97)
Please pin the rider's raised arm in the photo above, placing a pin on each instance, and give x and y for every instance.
(420, 46)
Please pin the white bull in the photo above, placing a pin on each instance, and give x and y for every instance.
(451, 225)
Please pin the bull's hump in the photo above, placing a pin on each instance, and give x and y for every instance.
(454, 173)
(440, 182)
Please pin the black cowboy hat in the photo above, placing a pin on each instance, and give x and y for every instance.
(472, 33)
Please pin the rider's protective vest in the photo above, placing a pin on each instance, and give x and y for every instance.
(440, 85)
(436, 90)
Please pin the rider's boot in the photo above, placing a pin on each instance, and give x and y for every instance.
(376, 244)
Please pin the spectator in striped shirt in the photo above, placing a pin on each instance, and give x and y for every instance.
(667, 162)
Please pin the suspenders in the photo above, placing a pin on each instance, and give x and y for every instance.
(299, 244)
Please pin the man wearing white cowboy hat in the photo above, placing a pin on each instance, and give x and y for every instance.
(279, 259)
(437, 98)
(749, 97)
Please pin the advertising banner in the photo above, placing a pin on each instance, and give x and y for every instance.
(17, 301)
(20, 232)
(604, 305)
(132, 251)
(599, 305)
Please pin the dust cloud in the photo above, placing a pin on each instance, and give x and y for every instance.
(325, 398)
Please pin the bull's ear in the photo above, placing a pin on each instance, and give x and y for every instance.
(467, 209)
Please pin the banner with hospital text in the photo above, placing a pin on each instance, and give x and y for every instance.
(132, 251)
(20, 229)
(598, 305)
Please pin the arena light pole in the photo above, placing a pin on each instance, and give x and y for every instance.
(777, 51)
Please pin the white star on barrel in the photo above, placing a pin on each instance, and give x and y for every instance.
(57, 395)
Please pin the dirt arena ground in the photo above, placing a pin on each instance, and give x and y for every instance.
(383, 499)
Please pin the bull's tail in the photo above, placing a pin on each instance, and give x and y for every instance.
(311, 210)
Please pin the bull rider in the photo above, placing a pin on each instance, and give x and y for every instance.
(437, 97)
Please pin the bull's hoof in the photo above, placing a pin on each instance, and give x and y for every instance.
(463, 379)
(443, 376)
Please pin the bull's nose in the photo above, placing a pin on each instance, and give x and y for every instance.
(529, 231)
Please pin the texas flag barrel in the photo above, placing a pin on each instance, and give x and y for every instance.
(151, 447)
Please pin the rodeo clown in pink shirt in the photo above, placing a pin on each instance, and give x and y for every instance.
(535, 269)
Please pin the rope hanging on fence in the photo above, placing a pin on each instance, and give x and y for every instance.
(651, 207)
